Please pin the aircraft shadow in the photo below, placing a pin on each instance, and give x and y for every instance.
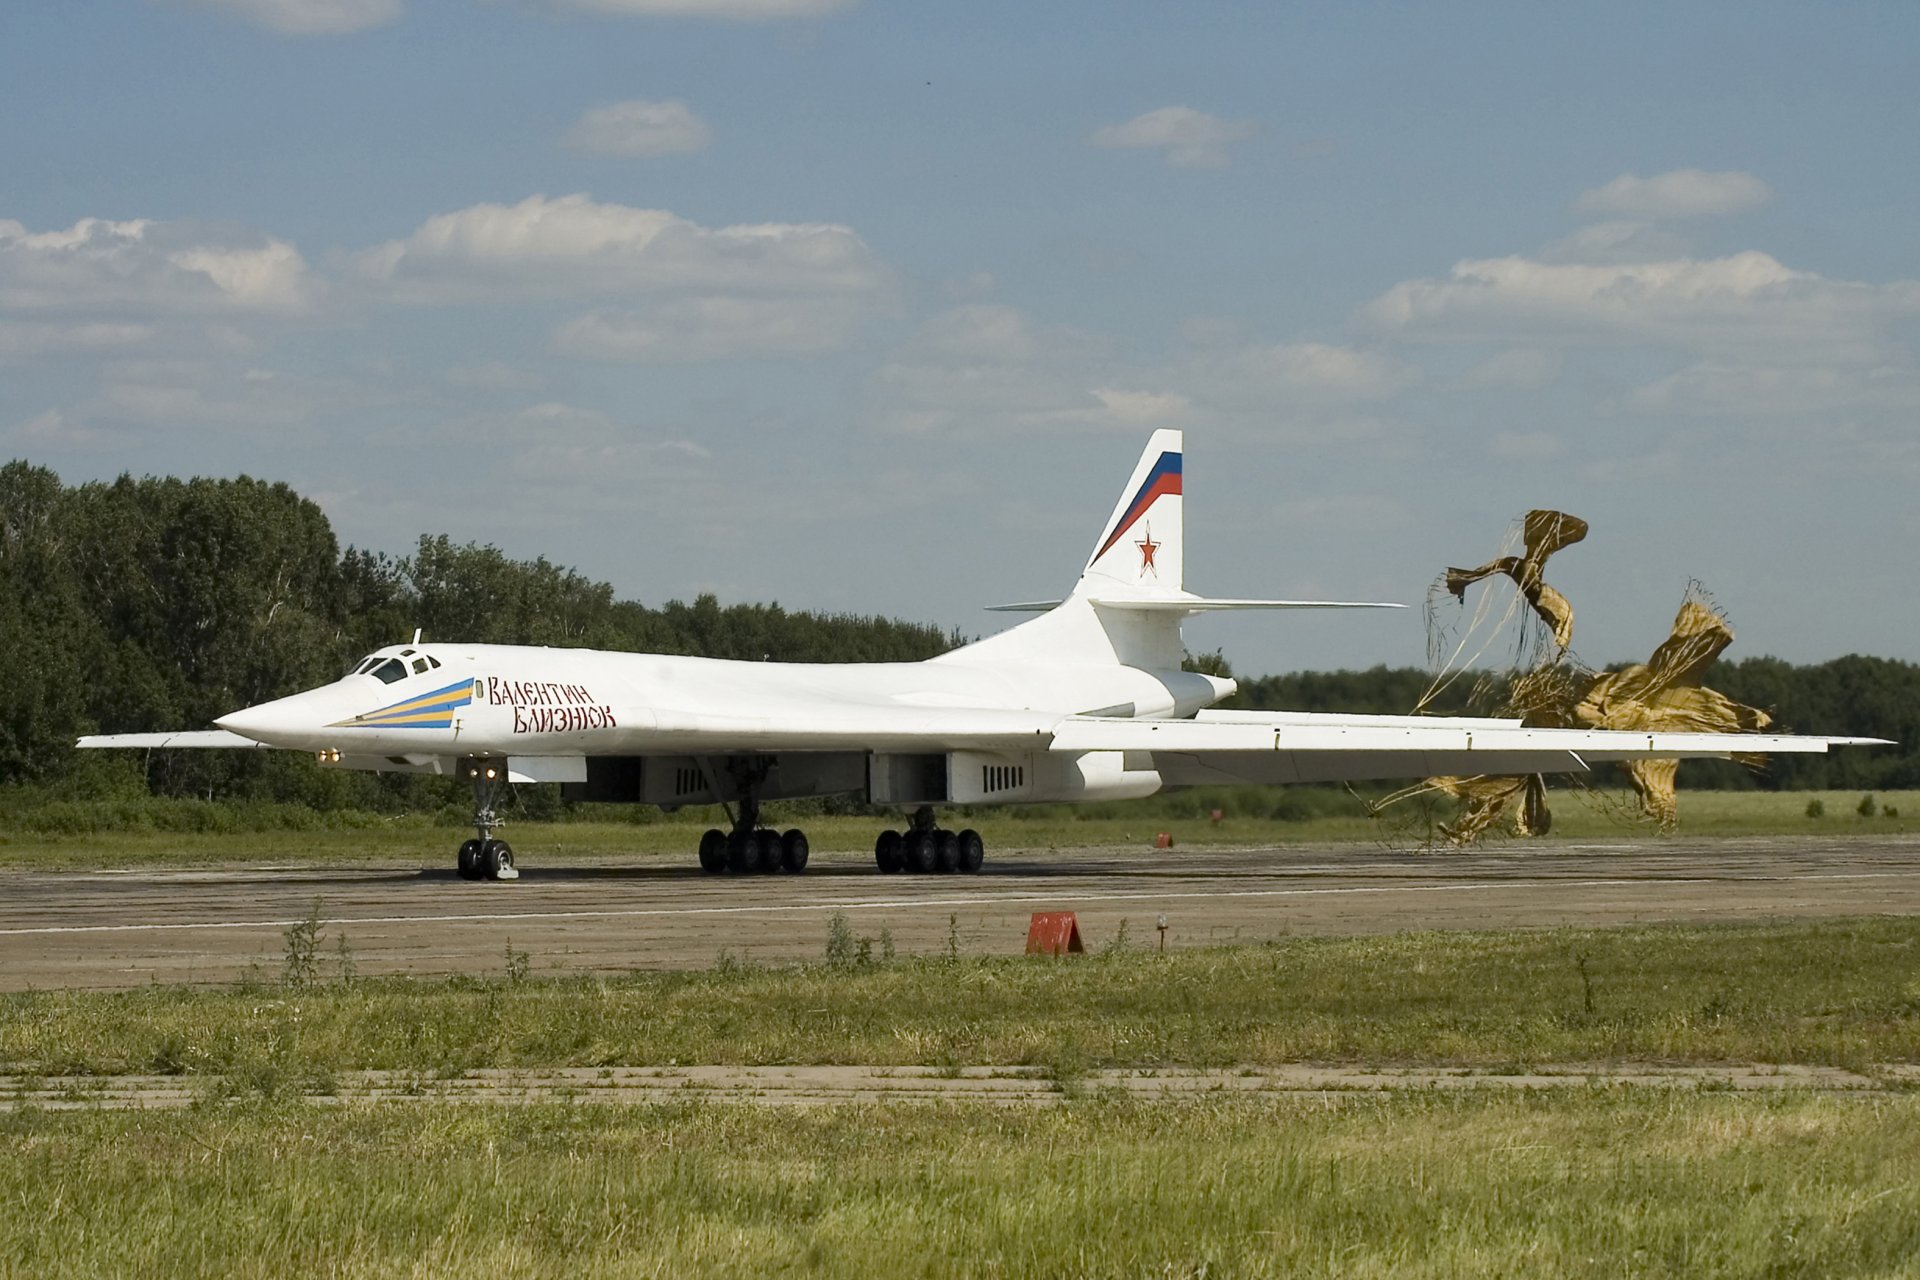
(832, 875)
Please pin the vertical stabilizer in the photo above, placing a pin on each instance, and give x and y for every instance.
(1140, 550)
(1137, 558)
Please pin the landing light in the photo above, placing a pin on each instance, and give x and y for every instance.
(328, 755)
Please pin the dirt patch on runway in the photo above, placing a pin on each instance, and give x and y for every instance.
(811, 1086)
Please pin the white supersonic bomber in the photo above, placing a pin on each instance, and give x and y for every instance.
(1087, 701)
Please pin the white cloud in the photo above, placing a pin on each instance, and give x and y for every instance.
(574, 247)
(50, 339)
(494, 377)
(310, 17)
(987, 365)
(640, 129)
(1525, 446)
(730, 10)
(144, 265)
(53, 429)
(1745, 390)
(1305, 369)
(192, 395)
(1617, 242)
(1142, 407)
(688, 330)
(1517, 368)
(990, 367)
(1735, 304)
(984, 331)
(1190, 139)
(1681, 193)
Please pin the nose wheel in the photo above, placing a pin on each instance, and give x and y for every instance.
(485, 858)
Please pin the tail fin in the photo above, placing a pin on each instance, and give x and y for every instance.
(1129, 603)
(1141, 550)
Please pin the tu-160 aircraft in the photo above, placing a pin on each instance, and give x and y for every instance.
(1085, 702)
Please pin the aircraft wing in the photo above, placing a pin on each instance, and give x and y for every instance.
(1300, 747)
(199, 738)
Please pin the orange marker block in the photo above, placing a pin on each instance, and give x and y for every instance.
(1054, 933)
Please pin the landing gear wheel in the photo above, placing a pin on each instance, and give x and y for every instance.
(946, 851)
(973, 851)
(886, 852)
(742, 852)
(917, 852)
(469, 861)
(766, 847)
(496, 861)
(794, 850)
(713, 851)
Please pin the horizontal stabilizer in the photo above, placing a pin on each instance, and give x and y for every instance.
(1203, 604)
(1190, 604)
(199, 738)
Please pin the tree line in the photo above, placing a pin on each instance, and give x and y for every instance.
(151, 603)
(155, 603)
(1853, 696)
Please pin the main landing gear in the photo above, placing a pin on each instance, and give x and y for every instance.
(486, 858)
(751, 847)
(924, 848)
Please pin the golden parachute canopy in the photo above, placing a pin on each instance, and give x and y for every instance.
(1548, 689)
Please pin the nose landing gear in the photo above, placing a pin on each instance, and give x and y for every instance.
(485, 858)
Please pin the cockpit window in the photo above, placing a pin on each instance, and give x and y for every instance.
(419, 665)
(389, 671)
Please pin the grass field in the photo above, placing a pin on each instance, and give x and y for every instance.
(1583, 1180)
(186, 833)
(1843, 993)
(1588, 1183)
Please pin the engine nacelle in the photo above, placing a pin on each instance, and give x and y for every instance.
(1041, 777)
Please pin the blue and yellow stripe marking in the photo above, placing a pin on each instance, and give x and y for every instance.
(427, 711)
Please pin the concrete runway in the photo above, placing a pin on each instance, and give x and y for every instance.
(111, 928)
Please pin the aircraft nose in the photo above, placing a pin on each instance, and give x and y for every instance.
(290, 722)
(249, 722)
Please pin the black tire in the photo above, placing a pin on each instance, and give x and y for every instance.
(495, 856)
(742, 852)
(794, 851)
(713, 851)
(916, 852)
(766, 845)
(946, 851)
(469, 860)
(886, 852)
(973, 851)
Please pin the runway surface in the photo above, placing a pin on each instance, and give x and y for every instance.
(110, 928)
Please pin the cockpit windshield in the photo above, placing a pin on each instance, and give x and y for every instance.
(388, 669)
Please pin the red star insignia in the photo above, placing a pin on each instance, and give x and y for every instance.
(1147, 548)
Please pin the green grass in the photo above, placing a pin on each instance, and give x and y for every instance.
(1843, 993)
(174, 833)
(1580, 1183)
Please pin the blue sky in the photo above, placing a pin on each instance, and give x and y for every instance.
(870, 306)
